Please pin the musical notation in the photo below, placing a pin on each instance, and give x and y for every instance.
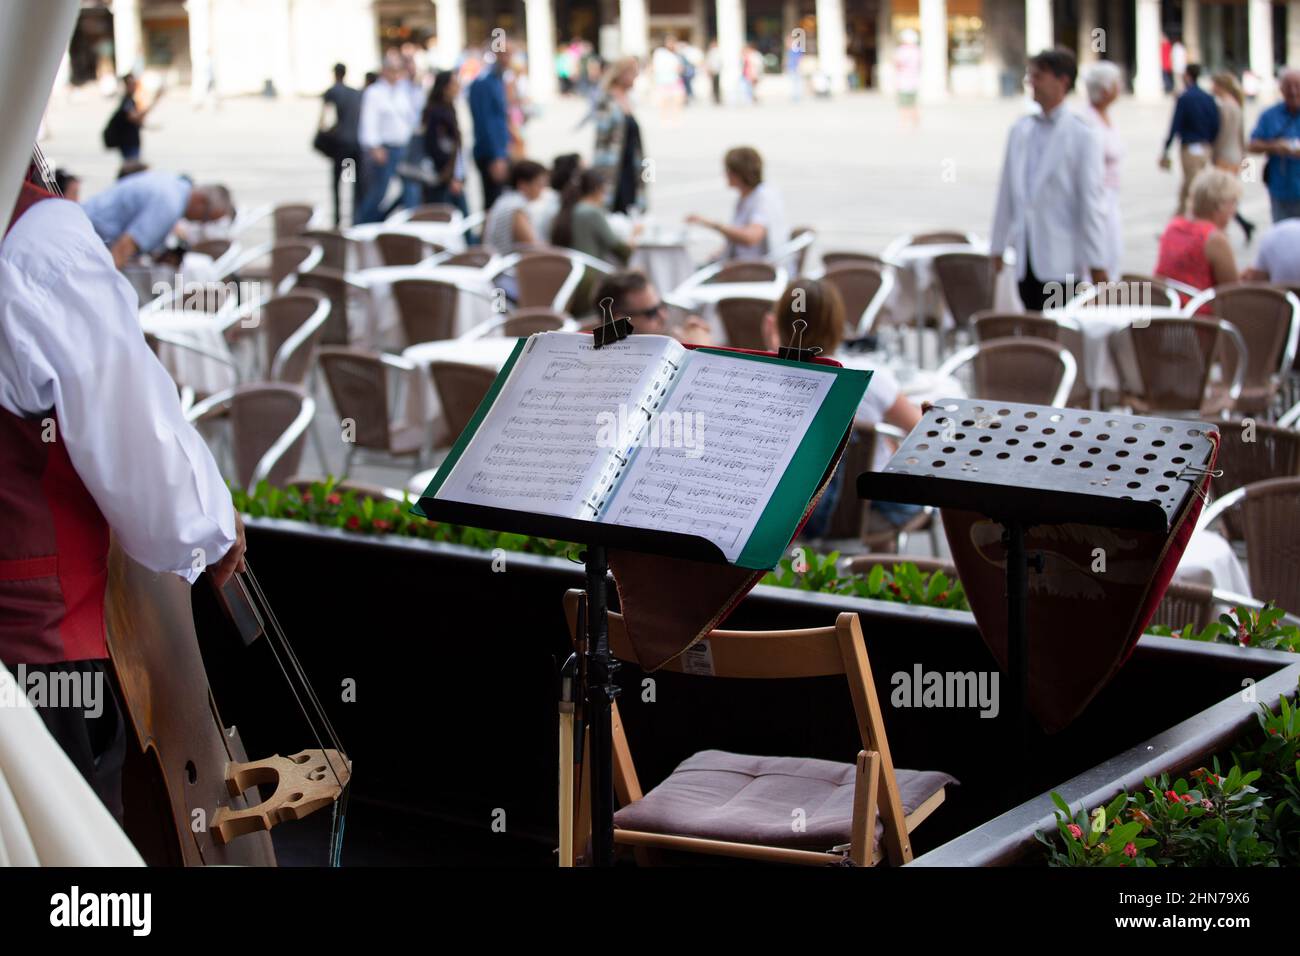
(754, 417)
(539, 448)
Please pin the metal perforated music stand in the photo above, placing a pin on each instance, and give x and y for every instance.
(1023, 465)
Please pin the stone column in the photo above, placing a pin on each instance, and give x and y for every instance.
(1148, 84)
(885, 47)
(1293, 33)
(1213, 55)
(1260, 28)
(934, 49)
(539, 23)
(1087, 24)
(1039, 32)
(127, 50)
(450, 24)
(1192, 31)
(199, 13)
(634, 27)
(731, 43)
(832, 42)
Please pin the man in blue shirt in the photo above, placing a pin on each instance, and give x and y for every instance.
(1196, 124)
(488, 110)
(1277, 135)
(137, 213)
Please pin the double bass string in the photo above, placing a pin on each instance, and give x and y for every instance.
(277, 635)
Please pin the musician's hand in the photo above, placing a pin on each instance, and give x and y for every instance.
(233, 560)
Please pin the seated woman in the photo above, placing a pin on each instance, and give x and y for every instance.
(1196, 251)
(820, 305)
(509, 228)
(758, 225)
(581, 223)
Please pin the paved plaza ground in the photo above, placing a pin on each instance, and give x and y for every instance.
(847, 167)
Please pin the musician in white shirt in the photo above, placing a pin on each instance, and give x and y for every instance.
(1051, 205)
(92, 441)
(390, 113)
(70, 341)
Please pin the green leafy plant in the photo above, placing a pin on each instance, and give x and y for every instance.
(324, 503)
(905, 583)
(1248, 816)
(1243, 627)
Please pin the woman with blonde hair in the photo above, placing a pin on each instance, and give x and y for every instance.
(618, 137)
(1195, 250)
(1230, 145)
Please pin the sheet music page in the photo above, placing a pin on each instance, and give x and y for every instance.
(726, 434)
(540, 447)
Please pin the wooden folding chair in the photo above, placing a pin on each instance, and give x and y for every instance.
(858, 805)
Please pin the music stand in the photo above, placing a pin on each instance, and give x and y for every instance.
(591, 678)
(1023, 465)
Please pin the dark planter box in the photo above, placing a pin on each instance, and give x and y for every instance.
(455, 668)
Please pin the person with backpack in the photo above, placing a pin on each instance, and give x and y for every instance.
(123, 130)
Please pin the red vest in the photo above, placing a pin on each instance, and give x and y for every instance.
(53, 538)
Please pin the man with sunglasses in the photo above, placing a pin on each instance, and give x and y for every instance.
(635, 296)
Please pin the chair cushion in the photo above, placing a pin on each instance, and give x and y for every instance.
(717, 795)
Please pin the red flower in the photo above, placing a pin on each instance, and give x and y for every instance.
(1273, 731)
(354, 523)
(1130, 851)
(379, 524)
(1186, 798)
(943, 596)
(334, 498)
(1173, 797)
(1243, 635)
(1075, 831)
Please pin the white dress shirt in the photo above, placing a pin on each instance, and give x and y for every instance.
(1051, 204)
(389, 114)
(70, 340)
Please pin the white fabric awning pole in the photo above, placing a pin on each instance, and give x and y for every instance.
(33, 39)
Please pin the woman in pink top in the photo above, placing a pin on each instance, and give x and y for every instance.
(1196, 251)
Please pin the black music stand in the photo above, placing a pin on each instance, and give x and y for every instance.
(593, 675)
(1022, 465)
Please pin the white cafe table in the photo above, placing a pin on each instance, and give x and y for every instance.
(422, 403)
(1210, 560)
(915, 265)
(473, 305)
(203, 374)
(1100, 370)
(448, 235)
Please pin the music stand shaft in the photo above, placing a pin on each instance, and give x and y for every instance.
(599, 695)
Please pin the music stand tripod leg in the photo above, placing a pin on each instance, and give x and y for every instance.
(600, 692)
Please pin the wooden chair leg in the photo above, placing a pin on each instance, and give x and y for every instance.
(863, 846)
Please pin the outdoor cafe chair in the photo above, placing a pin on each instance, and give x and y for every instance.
(737, 805)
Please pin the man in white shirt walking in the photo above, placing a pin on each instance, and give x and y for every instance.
(1051, 205)
(389, 116)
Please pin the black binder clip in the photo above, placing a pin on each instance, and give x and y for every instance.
(611, 329)
(795, 352)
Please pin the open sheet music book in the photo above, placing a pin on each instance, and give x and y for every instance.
(646, 433)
